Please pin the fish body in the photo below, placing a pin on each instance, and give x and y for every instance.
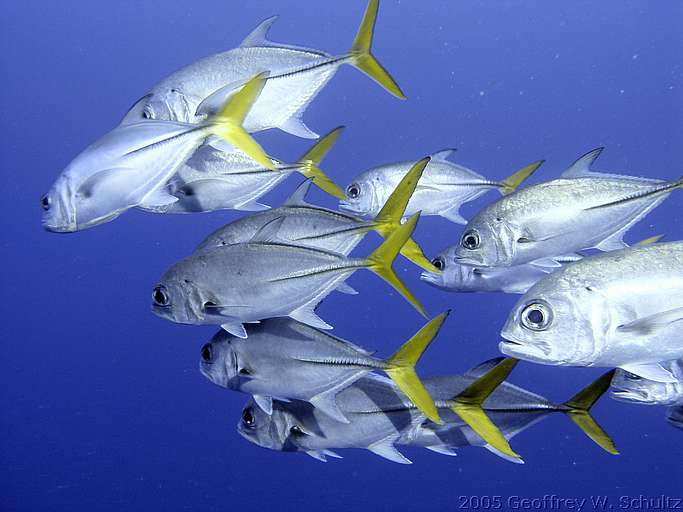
(580, 210)
(627, 387)
(296, 76)
(619, 309)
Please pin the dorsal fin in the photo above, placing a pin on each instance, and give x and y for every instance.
(268, 232)
(443, 154)
(582, 167)
(259, 36)
(298, 197)
(482, 368)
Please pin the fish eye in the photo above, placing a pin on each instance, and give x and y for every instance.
(207, 353)
(439, 262)
(244, 371)
(353, 190)
(537, 317)
(45, 202)
(159, 296)
(470, 240)
(248, 417)
(296, 431)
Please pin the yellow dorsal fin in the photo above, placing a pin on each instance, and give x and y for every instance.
(227, 123)
(309, 164)
(401, 367)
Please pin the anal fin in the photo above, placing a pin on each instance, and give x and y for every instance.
(385, 448)
(306, 315)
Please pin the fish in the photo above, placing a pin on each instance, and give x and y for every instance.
(129, 166)
(312, 226)
(627, 387)
(443, 189)
(265, 278)
(582, 209)
(453, 276)
(296, 76)
(674, 416)
(381, 418)
(621, 309)
(213, 179)
(283, 358)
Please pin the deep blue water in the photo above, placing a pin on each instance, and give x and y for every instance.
(103, 406)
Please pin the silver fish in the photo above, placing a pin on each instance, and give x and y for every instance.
(297, 75)
(627, 387)
(312, 226)
(580, 210)
(443, 188)
(381, 417)
(456, 277)
(619, 309)
(249, 282)
(213, 179)
(283, 358)
(130, 165)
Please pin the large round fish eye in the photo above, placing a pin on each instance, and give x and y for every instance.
(248, 417)
(159, 296)
(45, 202)
(353, 190)
(537, 316)
(439, 262)
(470, 240)
(207, 353)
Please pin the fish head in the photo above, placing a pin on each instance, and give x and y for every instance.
(273, 431)
(367, 193)
(59, 212)
(557, 324)
(219, 361)
(179, 299)
(452, 275)
(487, 242)
(628, 387)
(164, 105)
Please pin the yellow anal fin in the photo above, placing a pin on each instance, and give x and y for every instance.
(578, 409)
(512, 182)
(401, 367)
(381, 259)
(309, 164)
(227, 123)
(362, 57)
(649, 241)
(469, 406)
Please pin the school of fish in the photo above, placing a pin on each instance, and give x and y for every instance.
(586, 297)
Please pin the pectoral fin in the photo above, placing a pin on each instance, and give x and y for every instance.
(117, 178)
(652, 324)
(159, 197)
(265, 403)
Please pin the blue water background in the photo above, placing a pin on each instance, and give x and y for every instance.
(103, 406)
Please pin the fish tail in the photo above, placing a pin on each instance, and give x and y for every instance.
(468, 404)
(578, 409)
(389, 217)
(649, 241)
(227, 123)
(309, 164)
(362, 57)
(381, 259)
(401, 367)
(512, 183)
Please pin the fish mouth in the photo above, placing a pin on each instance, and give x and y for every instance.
(630, 395)
(59, 228)
(522, 350)
(349, 207)
(429, 277)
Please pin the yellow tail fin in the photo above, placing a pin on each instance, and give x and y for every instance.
(361, 55)
(578, 409)
(401, 367)
(227, 123)
(469, 406)
(380, 260)
(513, 182)
(649, 241)
(389, 217)
(309, 164)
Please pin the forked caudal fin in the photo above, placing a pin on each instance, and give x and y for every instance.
(227, 123)
(512, 182)
(381, 259)
(469, 406)
(309, 164)
(578, 409)
(401, 367)
(362, 57)
(389, 217)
